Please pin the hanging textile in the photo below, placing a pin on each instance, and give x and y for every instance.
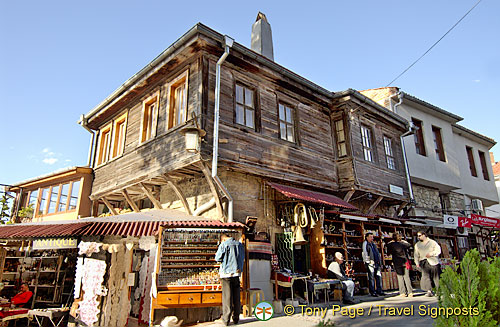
(92, 278)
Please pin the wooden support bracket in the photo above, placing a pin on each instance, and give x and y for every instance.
(110, 207)
(130, 202)
(349, 195)
(375, 204)
(178, 192)
(150, 196)
(213, 187)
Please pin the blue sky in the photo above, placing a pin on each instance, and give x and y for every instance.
(59, 59)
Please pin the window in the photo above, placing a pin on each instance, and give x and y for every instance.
(73, 199)
(484, 167)
(419, 137)
(245, 108)
(472, 164)
(177, 101)
(389, 155)
(32, 197)
(286, 116)
(42, 209)
(54, 195)
(149, 115)
(119, 129)
(366, 136)
(340, 138)
(63, 198)
(103, 147)
(438, 143)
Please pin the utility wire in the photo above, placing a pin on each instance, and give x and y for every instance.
(442, 37)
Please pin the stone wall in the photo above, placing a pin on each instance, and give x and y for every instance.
(427, 200)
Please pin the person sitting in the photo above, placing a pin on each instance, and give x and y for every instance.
(23, 297)
(337, 270)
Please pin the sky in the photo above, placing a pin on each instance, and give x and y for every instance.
(59, 59)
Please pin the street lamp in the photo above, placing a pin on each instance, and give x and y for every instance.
(193, 137)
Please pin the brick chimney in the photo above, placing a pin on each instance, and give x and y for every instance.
(262, 37)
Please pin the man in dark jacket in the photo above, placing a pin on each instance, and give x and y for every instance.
(231, 255)
(373, 262)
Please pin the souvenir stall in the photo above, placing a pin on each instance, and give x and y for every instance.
(187, 275)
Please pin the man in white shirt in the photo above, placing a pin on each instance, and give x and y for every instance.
(336, 269)
(427, 252)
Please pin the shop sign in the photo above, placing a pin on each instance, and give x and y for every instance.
(464, 222)
(450, 221)
(54, 243)
(485, 221)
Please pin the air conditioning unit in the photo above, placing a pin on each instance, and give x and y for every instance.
(462, 231)
(476, 205)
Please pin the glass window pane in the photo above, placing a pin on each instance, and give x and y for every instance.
(342, 149)
(249, 118)
(43, 201)
(248, 97)
(281, 112)
(289, 117)
(63, 199)
(239, 94)
(32, 199)
(283, 131)
(290, 133)
(53, 199)
(73, 200)
(240, 118)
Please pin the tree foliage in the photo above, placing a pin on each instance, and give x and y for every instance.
(474, 284)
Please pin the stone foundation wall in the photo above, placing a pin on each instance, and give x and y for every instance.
(427, 200)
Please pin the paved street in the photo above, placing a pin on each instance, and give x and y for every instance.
(384, 312)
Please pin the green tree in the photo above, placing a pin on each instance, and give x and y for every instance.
(469, 286)
(4, 208)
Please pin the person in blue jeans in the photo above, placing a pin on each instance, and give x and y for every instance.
(373, 262)
(231, 255)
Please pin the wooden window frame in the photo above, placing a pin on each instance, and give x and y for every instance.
(419, 137)
(106, 131)
(389, 153)
(438, 143)
(472, 163)
(367, 148)
(115, 139)
(171, 111)
(255, 109)
(154, 99)
(49, 194)
(293, 124)
(337, 137)
(484, 166)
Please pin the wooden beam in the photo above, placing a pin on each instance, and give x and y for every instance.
(150, 196)
(349, 195)
(212, 186)
(178, 192)
(131, 203)
(375, 204)
(401, 206)
(110, 207)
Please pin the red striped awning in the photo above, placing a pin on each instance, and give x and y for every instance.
(103, 228)
(312, 196)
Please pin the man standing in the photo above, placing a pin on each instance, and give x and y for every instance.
(336, 270)
(426, 258)
(372, 260)
(231, 255)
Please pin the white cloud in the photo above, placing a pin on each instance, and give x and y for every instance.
(68, 160)
(46, 150)
(476, 80)
(50, 161)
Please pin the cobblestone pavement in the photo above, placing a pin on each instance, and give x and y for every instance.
(373, 312)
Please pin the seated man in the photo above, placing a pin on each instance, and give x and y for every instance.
(23, 297)
(336, 270)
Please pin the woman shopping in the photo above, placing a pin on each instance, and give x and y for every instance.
(398, 248)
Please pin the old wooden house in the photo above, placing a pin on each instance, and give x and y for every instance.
(280, 140)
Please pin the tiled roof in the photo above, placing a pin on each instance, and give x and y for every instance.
(496, 169)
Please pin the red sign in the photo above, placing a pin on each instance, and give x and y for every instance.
(464, 222)
(485, 221)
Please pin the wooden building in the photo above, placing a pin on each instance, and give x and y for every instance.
(274, 127)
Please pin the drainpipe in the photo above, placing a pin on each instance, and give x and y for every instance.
(228, 44)
(405, 159)
(90, 159)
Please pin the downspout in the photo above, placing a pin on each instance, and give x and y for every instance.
(90, 160)
(405, 159)
(228, 44)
